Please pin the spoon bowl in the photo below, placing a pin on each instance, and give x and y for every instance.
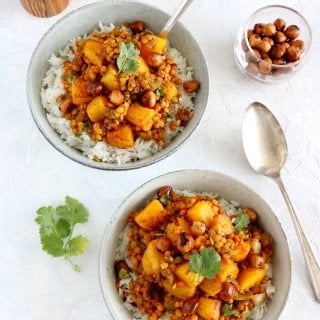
(263, 140)
(266, 149)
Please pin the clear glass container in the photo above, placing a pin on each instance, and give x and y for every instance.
(263, 66)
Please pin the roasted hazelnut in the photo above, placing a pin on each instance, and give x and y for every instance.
(280, 24)
(293, 54)
(286, 45)
(268, 60)
(149, 99)
(298, 43)
(190, 306)
(191, 86)
(264, 55)
(254, 40)
(292, 32)
(264, 67)
(227, 292)
(258, 28)
(264, 46)
(185, 242)
(277, 51)
(94, 89)
(269, 29)
(252, 68)
(280, 37)
(255, 260)
(270, 40)
(137, 26)
(279, 62)
(154, 59)
(250, 212)
(250, 32)
(198, 228)
(163, 191)
(116, 97)
(253, 55)
(163, 244)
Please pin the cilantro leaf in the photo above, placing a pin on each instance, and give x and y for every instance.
(63, 228)
(127, 59)
(228, 311)
(165, 199)
(241, 222)
(56, 229)
(46, 218)
(74, 212)
(53, 245)
(159, 92)
(76, 246)
(207, 263)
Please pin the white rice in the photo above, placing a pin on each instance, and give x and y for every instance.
(231, 208)
(52, 88)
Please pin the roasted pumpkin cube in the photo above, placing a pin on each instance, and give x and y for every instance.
(203, 211)
(142, 65)
(180, 291)
(151, 259)
(211, 286)
(251, 276)
(209, 309)
(169, 90)
(121, 138)
(79, 91)
(157, 45)
(97, 109)
(240, 252)
(140, 116)
(173, 231)
(94, 52)
(151, 216)
(190, 278)
(185, 226)
(229, 270)
(221, 224)
(110, 78)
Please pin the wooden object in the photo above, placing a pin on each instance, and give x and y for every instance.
(44, 8)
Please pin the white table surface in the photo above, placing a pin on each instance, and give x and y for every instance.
(32, 173)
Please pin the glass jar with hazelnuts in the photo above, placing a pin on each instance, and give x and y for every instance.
(272, 44)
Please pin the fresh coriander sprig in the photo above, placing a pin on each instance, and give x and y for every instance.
(228, 311)
(241, 222)
(206, 263)
(56, 229)
(127, 59)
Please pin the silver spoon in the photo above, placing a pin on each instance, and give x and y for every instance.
(175, 17)
(266, 149)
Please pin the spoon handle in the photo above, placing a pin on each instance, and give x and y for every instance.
(177, 14)
(310, 260)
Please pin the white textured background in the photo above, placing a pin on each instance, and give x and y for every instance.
(32, 173)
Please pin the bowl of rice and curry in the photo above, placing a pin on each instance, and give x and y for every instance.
(194, 245)
(110, 92)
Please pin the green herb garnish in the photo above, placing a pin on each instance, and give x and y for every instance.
(207, 263)
(170, 117)
(159, 92)
(228, 311)
(127, 59)
(86, 125)
(70, 78)
(123, 274)
(241, 222)
(56, 229)
(165, 199)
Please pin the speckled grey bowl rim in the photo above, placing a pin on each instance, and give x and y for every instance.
(120, 211)
(84, 160)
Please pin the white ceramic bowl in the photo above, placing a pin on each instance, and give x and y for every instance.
(86, 19)
(200, 181)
